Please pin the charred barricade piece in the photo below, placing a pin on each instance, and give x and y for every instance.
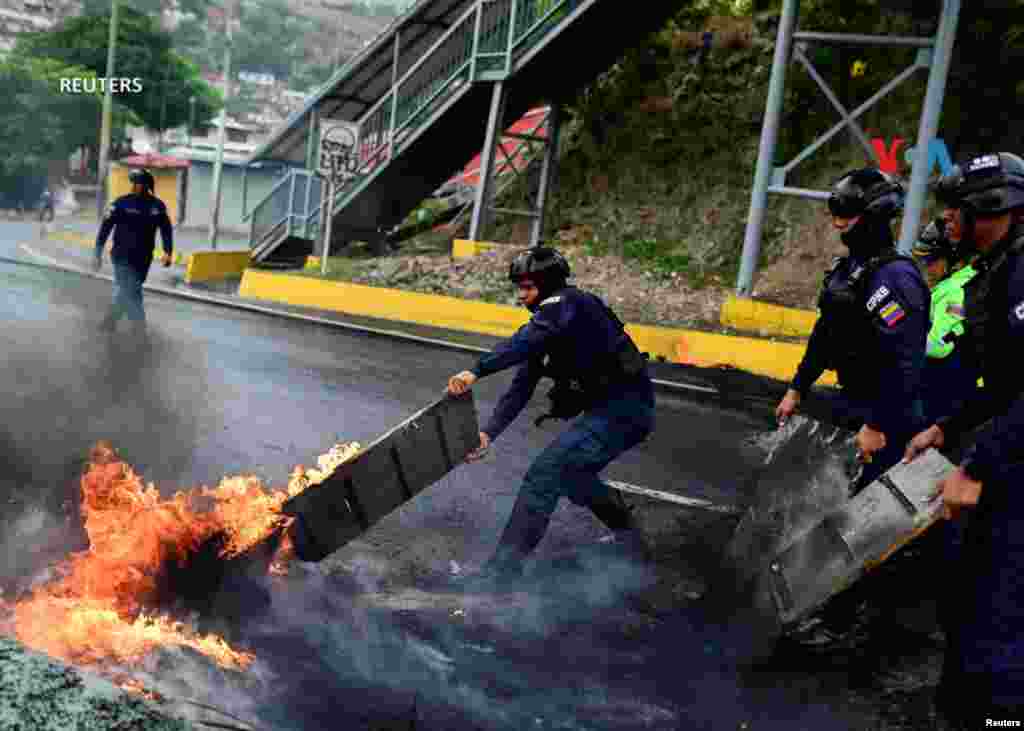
(387, 473)
(804, 541)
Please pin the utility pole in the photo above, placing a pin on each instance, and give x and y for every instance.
(103, 166)
(229, 8)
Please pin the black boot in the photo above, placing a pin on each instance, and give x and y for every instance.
(524, 530)
(611, 509)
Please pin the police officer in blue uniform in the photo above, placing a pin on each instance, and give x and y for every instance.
(600, 379)
(983, 673)
(873, 325)
(134, 219)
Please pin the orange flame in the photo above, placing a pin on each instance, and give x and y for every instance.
(100, 608)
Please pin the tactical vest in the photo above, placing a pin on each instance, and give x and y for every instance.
(852, 342)
(575, 392)
(985, 296)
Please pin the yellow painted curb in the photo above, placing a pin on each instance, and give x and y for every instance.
(746, 314)
(465, 248)
(775, 360)
(387, 304)
(208, 266)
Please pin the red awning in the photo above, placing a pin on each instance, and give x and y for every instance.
(150, 160)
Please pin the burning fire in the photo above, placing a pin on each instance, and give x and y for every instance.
(102, 606)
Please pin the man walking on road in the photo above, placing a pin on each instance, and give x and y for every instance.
(134, 218)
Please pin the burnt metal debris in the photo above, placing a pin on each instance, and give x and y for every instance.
(804, 541)
(389, 472)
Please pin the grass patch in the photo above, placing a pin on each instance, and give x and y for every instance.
(339, 268)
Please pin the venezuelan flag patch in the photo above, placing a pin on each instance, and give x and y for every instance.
(955, 310)
(892, 313)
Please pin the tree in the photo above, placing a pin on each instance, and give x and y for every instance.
(143, 52)
(39, 123)
(269, 38)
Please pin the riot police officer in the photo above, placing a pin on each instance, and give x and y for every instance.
(983, 673)
(873, 324)
(135, 219)
(600, 377)
(948, 381)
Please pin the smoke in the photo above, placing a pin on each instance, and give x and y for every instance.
(65, 387)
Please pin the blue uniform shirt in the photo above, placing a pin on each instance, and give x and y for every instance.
(888, 373)
(1001, 447)
(135, 220)
(573, 331)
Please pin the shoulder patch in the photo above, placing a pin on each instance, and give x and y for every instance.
(1019, 311)
(955, 310)
(876, 298)
(892, 313)
(551, 300)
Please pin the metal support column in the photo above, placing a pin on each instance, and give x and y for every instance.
(312, 139)
(941, 55)
(481, 204)
(934, 54)
(394, 100)
(766, 152)
(328, 227)
(547, 171)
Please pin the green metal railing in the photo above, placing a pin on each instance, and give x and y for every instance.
(286, 211)
(482, 44)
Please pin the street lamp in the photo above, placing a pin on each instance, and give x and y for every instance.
(191, 118)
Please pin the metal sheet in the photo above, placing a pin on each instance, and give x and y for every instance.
(389, 472)
(862, 534)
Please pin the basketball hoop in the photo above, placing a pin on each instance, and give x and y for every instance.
(338, 161)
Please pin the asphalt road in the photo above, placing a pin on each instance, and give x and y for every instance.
(367, 637)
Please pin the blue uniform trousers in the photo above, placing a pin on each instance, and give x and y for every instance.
(128, 292)
(984, 665)
(569, 466)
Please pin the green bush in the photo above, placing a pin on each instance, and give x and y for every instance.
(656, 256)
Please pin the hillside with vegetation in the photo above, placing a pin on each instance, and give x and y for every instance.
(658, 155)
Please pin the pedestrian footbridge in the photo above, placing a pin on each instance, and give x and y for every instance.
(422, 100)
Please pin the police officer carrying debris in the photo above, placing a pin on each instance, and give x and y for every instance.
(983, 673)
(872, 327)
(599, 375)
(948, 382)
(134, 218)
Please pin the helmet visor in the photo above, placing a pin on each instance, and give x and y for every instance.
(842, 206)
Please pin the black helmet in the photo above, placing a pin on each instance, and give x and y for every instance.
(988, 185)
(932, 243)
(541, 262)
(866, 192)
(545, 266)
(143, 178)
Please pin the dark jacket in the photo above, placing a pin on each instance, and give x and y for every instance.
(576, 340)
(135, 220)
(875, 340)
(994, 303)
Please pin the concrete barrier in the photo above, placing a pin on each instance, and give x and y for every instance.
(465, 248)
(692, 347)
(746, 314)
(209, 266)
